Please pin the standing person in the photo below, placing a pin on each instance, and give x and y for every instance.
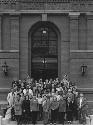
(40, 100)
(83, 107)
(11, 101)
(26, 109)
(34, 108)
(69, 110)
(54, 109)
(11, 97)
(75, 106)
(18, 109)
(46, 108)
(62, 109)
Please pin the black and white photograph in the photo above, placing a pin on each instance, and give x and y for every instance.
(46, 62)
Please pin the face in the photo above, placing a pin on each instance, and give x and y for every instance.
(81, 95)
(18, 97)
(12, 90)
(69, 91)
(46, 80)
(22, 84)
(54, 98)
(27, 97)
(53, 90)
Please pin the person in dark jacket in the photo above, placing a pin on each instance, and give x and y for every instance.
(62, 109)
(26, 109)
(54, 109)
(18, 109)
(69, 110)
(46, 109)
(34, 108)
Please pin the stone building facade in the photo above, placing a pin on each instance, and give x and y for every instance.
(69, 23)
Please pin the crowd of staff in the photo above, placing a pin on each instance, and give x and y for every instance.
(50, 101)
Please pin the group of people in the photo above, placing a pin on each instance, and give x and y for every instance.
(51, 101)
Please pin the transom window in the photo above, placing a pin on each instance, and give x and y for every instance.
(44, 42)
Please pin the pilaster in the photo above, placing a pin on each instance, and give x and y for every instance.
(0, 31)
(74, 36)
(14, 32)
(89, 31)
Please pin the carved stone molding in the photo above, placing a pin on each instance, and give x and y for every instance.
(75, 5)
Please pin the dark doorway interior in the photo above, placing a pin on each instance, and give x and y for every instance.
(44, 53)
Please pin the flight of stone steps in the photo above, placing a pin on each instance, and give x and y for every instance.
(7, 122)
(4, 121)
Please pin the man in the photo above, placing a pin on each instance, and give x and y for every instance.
(34, 108)
(62, 109)
(69, 110)
(46, 109)
(18, 109)
(26, 109)
(83, 108)
(54, 109)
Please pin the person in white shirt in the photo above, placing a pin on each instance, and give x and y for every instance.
(11, 102)
(11, 98)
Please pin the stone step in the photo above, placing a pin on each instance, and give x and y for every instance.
(38, 123)
(42, 124)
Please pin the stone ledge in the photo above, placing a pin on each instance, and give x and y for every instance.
(9, 55)
(4, 90)
(81, 54)
(9, 51)
(85, 90)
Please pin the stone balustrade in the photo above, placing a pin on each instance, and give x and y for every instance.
(70, 5)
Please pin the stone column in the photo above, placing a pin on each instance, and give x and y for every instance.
(65, 45)
(0, 32)
(89, 31)
(82, 32)
(65, 58)
(14, 32)
(14, 25)
(74, 30)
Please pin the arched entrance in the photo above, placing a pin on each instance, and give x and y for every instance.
(44, 51)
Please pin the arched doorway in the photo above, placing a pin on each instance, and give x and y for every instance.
(44, 52)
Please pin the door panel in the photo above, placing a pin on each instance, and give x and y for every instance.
(44, 53)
